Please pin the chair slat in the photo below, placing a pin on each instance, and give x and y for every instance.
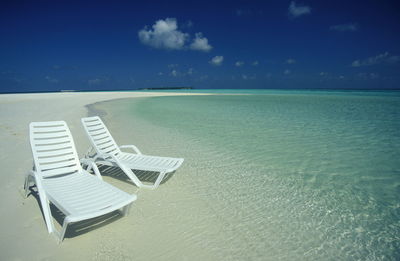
(59, 171)
(56, 158)
(95, 127)
(105, 146)
(94, 133)
(101, 137)
(63, 145)
(41, 136)
(50, 141)
(103, 142)
(62, 164)
(55, 153)
(47, 124)
(49, 129)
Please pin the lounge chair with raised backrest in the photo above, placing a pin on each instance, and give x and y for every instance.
(60, 179)
(105, 151)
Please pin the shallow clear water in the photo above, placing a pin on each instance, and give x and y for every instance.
(284, 175)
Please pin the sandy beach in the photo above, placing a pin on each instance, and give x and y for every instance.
(23, 231)
(272, 176)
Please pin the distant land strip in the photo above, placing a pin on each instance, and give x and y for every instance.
(167, 88)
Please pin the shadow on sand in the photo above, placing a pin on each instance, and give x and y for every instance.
(147, 177)
(76, 229)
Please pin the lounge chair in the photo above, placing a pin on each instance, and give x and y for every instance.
(105, 151)
(60, 179)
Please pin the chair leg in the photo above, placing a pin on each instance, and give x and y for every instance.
(125, 210)
(28, 180)
(159, 179)
(26, 186)
(132, 176)
(46, 209)
(64, 229)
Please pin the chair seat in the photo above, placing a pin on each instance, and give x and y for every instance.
(81, 195)
(149, 163)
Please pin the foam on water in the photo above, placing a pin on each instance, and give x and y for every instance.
(280, 176)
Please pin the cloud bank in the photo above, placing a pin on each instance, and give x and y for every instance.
(385, 58)
(164, 34)
(296, 10)
(352, 27)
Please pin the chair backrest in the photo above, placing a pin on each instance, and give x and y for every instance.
(99, 136)
(53, 148)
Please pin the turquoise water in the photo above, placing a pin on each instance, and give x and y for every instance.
(288, 175)
(286, 91)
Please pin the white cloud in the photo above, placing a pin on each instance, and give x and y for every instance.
(380, 58)
(174, 73)
(248, 77)
(203, 77)
(18, 80)
(217, 60)
(188, 24)
(368, 76)
(286, 72)
(239, 63)
(296, 10)
(96, 81)
(373, 75)
(200, 43)
(290, 61)
(190, 71)
(160, 73)
(243, 12)
(255, 63)
(164, 34)
(51, 80)
(344, 27)
(63, 67)
(172, 65)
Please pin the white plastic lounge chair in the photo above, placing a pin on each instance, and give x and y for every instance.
(107, 152)
(60, 179)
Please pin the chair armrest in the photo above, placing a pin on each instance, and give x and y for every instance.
(91, 165)
(133, 147)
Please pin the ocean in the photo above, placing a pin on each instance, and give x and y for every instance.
(274, 175)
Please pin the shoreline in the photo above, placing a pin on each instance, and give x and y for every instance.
(212, 90)
(22, 224)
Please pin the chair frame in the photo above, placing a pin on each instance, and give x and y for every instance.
(110, 155)
(46, 139)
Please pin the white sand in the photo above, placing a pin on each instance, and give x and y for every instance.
(23, 232)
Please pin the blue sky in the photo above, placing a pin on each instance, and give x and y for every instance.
(101, 45)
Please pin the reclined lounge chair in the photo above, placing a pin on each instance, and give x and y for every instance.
(107, 152)
(60, 179)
